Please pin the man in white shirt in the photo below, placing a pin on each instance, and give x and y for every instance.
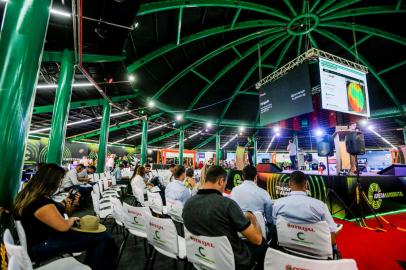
(301, 209)
(169, 176)
(292, 149)
(250, 197)
(110, 163)
(71, 178)
(176, 190)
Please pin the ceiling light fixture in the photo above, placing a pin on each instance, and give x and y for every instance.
(140, 133)
(60, 13)
(151, 104)
(235, 136)
(131, 78)
(54, 86)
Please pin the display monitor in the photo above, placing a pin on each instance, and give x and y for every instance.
(286, 97)
(343, 89)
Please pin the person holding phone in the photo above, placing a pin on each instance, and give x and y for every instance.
(48, 231)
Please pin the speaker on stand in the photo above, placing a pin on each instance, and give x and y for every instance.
(355, 145)
(325, 148)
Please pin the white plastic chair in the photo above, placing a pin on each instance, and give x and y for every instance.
(138, 193)
(162, 235)
(278, 260)
(309, 240)
(155, 203)
(135, 219)
(117, 212)
(261, 222)
(21, 260)
(211, 253)
(102, 208)
(175, 210)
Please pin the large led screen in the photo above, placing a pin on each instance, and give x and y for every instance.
(286, 97)
(343, 89)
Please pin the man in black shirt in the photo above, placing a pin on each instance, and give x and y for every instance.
(210, 214)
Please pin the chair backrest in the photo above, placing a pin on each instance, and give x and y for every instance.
(96, 177)
(161, 233)
(101, 185)
(155, 202)
(117, 212)
(96, 190)
(13, 264)
(113, 180)
(21, 234)
(175, 209)
(261, 222)
(214, 253)
(95, 201)
(138, 193)
(278, 260)
(135, 218)
(17, 252)
(314, 238)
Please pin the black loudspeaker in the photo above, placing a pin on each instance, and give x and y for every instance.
(355, 143)
(325, 147)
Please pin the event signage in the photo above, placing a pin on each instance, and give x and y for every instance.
(286, 97)
(343, 89)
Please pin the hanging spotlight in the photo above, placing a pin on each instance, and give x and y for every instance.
(136, 24)
(131, 78)
(209, 124)
(242, 129)
(151, 104)
(319, 132)
(276, 129)
(179, 117)
(364, 122)
(278, 134)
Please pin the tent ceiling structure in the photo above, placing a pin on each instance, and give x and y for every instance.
(200, 58)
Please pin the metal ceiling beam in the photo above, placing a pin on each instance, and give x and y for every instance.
(82, 104)
(343, 3)
(283, 52)
(112, 128)
(388, 113)
(235, 18)
(203, 34)
(313, 41)
(325, 5)
(363, 11)
(208, 140)
(345, 46)
(267, 66)
(180, 18)
(287, 2)
(248, 74)
(56, 56)
(366, 29)
(398, 4)
(315, 4)
(237, 52)
(392, 67)
(169, 134)
(212, 54)
(248, 93)
(231, 65)
(175, 4)
(299, 45)
(200, 76)
(362, 40)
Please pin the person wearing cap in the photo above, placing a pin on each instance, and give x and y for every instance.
(49, 234)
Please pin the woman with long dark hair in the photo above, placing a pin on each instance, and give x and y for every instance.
(48, 232)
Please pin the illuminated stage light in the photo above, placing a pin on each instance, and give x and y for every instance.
(151, 104)
(319, 132)
(276, 129)
(179, 117)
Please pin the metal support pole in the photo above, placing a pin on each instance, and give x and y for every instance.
(218, 149)
(144, 141)
(181, 136)
(254, 158)
(61, 108)
(104, 137)
(21, 45)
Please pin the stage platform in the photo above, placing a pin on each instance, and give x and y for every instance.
(384, 193)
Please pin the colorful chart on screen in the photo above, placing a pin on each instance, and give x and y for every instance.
(343, 89)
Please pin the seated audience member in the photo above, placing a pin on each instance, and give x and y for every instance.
(48, 232)
(84, 174)
(169, 175)
(250, 197)
(176, 190)
(71, 178)
(208, 213)
(138, 181)
(299, 208)
(148, 172)
(190, 182)
(117, 174)
(202, 179)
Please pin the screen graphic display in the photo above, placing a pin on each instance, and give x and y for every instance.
(286, 97)
(343, 89)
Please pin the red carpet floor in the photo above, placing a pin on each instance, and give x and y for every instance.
(375, 250)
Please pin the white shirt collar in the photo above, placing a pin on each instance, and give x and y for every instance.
(297, 193)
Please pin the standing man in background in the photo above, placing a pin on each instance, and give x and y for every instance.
(292, 149)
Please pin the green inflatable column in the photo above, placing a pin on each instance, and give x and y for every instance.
(104, 137)
(61, 108)
(22, 39)
(144, 141)
(181, 144)
(218, 149)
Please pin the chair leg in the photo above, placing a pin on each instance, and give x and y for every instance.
(175, 264)
(122, 246)
(148, 260)
(186, 265)
(153, 259)
(145, 247)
